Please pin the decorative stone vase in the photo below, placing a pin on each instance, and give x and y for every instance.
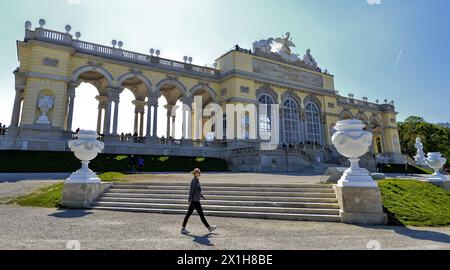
(85, 148)
(352, 142)
(435, 161)
(45, 104)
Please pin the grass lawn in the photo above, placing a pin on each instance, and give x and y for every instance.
(49, 197)
(415, 203)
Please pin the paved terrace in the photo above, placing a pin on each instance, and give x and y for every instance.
(40, 228)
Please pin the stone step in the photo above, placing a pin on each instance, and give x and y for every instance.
(257, 215)
(224, 202)
(299, 199)
(225, 193)
(221, 208)
(220, 188)
(187, 184)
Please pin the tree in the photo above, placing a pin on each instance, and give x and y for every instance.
(435, 138)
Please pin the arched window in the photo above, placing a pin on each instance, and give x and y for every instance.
(265, 121)
(313, 124)
(291, 121)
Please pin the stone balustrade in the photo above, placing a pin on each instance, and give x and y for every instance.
(365, 104)
(66, 39)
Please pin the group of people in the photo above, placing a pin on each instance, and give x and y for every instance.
(170, 140)
(292, 146)
(3, 129)
(128, 137)
(132, 162)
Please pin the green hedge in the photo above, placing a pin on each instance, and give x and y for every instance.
(400, 168)
(35, 161)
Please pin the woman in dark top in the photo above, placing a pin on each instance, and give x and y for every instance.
(195, 193)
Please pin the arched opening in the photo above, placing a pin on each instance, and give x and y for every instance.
(376, 129)
(265, 120)
(87, 100)
(291, 121)
(207, 98)
(345, 115)
(86, 108)
(313, 124)
(133, 108)
(170, 111)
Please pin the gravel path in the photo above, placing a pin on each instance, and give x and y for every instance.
(39, 228)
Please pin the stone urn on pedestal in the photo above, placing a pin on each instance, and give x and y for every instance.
(358, 194)
(83, 186)
(435, 161)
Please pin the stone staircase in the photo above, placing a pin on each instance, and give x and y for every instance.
(311, 202)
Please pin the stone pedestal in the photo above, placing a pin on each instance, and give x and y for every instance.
(81, 195)
(361, 205)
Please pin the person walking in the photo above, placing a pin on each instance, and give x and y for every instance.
(195, 193)
(140, 164)
(407, 168)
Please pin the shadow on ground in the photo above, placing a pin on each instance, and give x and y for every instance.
(66, 213)
(423, 235)
(414, 233)
(202, 240)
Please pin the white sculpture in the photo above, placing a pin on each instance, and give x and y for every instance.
(353, 142)
(45, 104)
(435, 161)
(420, 155)
(288, 57)
(85, 148)
(264, 45)
(309, 59)
(286, 43)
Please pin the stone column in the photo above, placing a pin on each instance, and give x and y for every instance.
(183, 135)
(107, 120)
(141, 125)
(155, 120)
(168, 127)
(169, 114)
(71, 95)
(99, 119)
(172, 130)
(136, 119)
(16, 109)
(149, 119)
(102, 101)
(113, 96)
(116, 116)
(189, 127)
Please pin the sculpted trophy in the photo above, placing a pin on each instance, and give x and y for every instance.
(45, 104)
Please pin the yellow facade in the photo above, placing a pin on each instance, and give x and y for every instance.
(234, 80)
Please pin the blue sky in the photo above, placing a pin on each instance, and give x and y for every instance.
(397, 50)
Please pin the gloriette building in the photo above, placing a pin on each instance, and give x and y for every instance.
(53, 64)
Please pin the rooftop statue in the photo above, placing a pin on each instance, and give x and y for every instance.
(286, 43)
(309, 59)
(280, 49)
(264, 45)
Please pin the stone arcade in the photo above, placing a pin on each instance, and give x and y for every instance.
(53, 64)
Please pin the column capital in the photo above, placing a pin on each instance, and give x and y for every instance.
(71, 92)
(153, 94)
(114, 94)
